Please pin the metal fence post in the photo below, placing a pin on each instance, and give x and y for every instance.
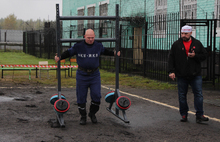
(5, 41)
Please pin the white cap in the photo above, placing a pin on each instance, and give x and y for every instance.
(186, 29)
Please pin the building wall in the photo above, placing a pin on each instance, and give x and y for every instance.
(130, 8)
(173, 6)
(204, 8)
(143, 8)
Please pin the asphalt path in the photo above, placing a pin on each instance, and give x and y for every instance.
(153, 116)
(156, 113)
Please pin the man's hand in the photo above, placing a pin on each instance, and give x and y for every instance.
(118, 54)
(172, 76)
(56, 58)
(191, 55)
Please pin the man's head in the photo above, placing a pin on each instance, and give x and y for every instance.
(186, 32)
(89, 36)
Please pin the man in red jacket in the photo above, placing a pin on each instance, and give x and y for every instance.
(184, 62)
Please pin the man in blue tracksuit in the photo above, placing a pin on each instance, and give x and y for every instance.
(87, 76)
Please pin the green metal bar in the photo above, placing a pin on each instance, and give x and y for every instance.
(13, 69)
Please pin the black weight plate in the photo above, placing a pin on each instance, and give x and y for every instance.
(123, 102)
(61, 105)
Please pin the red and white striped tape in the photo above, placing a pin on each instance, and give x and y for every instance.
(37, 66)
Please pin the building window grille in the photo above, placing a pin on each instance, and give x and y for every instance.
(189, 9)
(91, 12)
(103, 11)
(80, 23)
(160, 17)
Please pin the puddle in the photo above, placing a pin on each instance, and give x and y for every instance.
(5, 99)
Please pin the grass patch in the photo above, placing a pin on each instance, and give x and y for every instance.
(107, 78)
(135, 81)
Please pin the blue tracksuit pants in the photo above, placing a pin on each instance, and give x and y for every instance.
(85, 81)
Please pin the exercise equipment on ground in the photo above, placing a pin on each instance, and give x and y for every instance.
(110, 97)
(122, 103)
(61, 106)
(55, 97)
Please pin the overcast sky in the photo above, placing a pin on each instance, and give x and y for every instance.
(30, 9)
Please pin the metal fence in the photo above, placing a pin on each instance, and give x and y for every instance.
(40, 43)
(11, 36)
(144, 44)
(11, 40)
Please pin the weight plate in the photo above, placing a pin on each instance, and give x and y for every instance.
(61, 106)
(123, 103)
(54, 98)
(110, 97)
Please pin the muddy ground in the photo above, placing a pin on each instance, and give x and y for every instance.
(26, 116)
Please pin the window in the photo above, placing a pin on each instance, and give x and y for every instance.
(189, 9)
(160, 16)
(80, 23)
(91, 12)
(103, 11)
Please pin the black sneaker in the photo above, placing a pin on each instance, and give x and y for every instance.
(201, 118)
(82, 121)
(184, 118)
(93, 118)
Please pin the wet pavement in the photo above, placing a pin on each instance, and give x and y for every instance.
(153, 116)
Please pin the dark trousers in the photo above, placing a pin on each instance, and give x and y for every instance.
(196, 84)
(84, 82)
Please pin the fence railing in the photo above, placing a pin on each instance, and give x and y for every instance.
(144, 47)
(11, 40)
